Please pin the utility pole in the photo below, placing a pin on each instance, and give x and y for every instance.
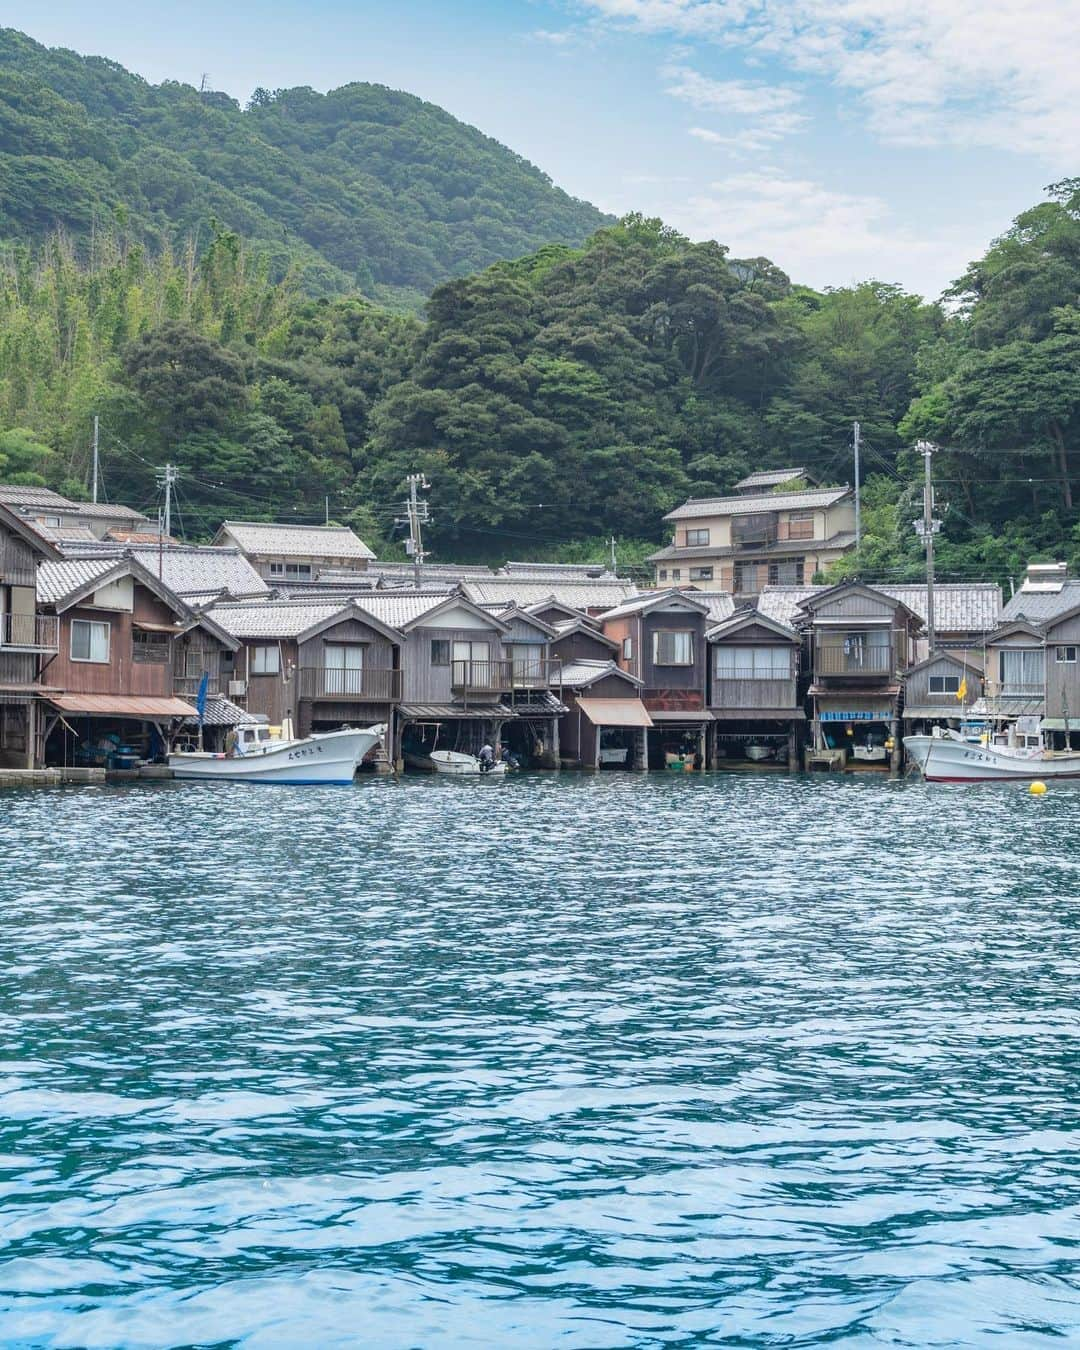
(927, 528)
(95, 483)
(416, 515)
(327, 510)
(166, 477)
(858, 492)
(613, 562)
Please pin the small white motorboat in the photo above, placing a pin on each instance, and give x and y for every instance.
(952, 758)
(758, 753)
(324, 757)
(455, 762)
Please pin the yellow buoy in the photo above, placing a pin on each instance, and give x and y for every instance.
(1037, 789)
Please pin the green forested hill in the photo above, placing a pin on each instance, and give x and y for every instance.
(363, 188)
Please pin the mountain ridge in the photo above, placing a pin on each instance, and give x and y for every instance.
(362, 188)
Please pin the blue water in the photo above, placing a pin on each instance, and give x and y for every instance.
(574, 1062)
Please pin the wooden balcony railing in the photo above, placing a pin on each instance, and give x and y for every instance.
(29, 632)
(750, 692)
(187, 686)
(370, 685)
(540, 673)
(482, 677)
(851, 657)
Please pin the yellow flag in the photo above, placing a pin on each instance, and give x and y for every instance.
(961, 692)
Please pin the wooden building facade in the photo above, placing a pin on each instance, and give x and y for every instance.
(28, 641)
(753, 692)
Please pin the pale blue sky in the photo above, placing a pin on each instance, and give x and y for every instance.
(843, 138)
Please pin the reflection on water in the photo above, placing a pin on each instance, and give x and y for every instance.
(615, 1061)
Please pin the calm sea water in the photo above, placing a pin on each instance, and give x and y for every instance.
(574, 1062)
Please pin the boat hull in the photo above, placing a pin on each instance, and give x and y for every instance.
(330, 758)
(945, 760)
(456, 764)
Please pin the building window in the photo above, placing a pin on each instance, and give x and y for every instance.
(753, 663)
(528, 661)
(1021, 670)
(673, 649)
(291, 571)
(663, 574)
(701, 574)
(789, 573)
(265, 660)
(696, 538)
(944, 684)
(628, 649)
(344, 668)
(150, 649)
(676, 574)
(440, 651)
(1065, 655)
(90, 641)
(228, 662)
(801, 525)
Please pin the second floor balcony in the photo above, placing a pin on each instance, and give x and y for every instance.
(482, 677)
(855, 655)
(368, 685)
(535, 672)
(29, 632)
(187, 686)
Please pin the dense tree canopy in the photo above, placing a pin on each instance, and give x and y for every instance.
(361, 189)
(560, 398)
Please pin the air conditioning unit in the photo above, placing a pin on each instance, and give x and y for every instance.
(237, 688)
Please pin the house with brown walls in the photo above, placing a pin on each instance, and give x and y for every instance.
(28, 641)
(753, 692)
(661, 642)
(124, 642)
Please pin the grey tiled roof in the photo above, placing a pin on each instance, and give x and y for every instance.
(396, 608)
(699, 507)
(305, 541)
(721, 603)
(1042, 605)
(109, 511)
(967, 608)
(596, 593)
(55, 580)
(272, 618)
(196, 570)
(221, 713)
(649, 598)
(580, 674)
(768, 478)
(18, 494)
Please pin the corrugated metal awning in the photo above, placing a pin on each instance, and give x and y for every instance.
(440, 712)
(688, 715)
(615, 712)
(758, 715)
(122, 705)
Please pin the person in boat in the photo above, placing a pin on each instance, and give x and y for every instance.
(486, 758)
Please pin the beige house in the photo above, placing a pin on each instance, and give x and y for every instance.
(744, 543)
(295, 553)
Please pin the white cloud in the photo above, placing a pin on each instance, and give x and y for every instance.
(819, 236)
(973, 73)
(770, 108)
(555, 37)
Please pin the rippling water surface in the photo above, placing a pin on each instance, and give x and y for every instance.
(581, 1062)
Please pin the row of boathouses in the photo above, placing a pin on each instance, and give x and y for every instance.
(106, 642)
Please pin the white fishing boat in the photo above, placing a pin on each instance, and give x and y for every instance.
(458, 763)
(324, 757)
(758, 753)
(951, 758)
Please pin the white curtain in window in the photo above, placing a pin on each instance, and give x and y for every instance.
(1022, 668)
(344, 669)
(757, 663)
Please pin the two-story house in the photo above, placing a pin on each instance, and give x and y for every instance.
(605, 721)
(859, 642)
(317, 664)
(294, 553)
(661, 639)
(124, 642)
(752, 691)
(28, 640)
(745, 542)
